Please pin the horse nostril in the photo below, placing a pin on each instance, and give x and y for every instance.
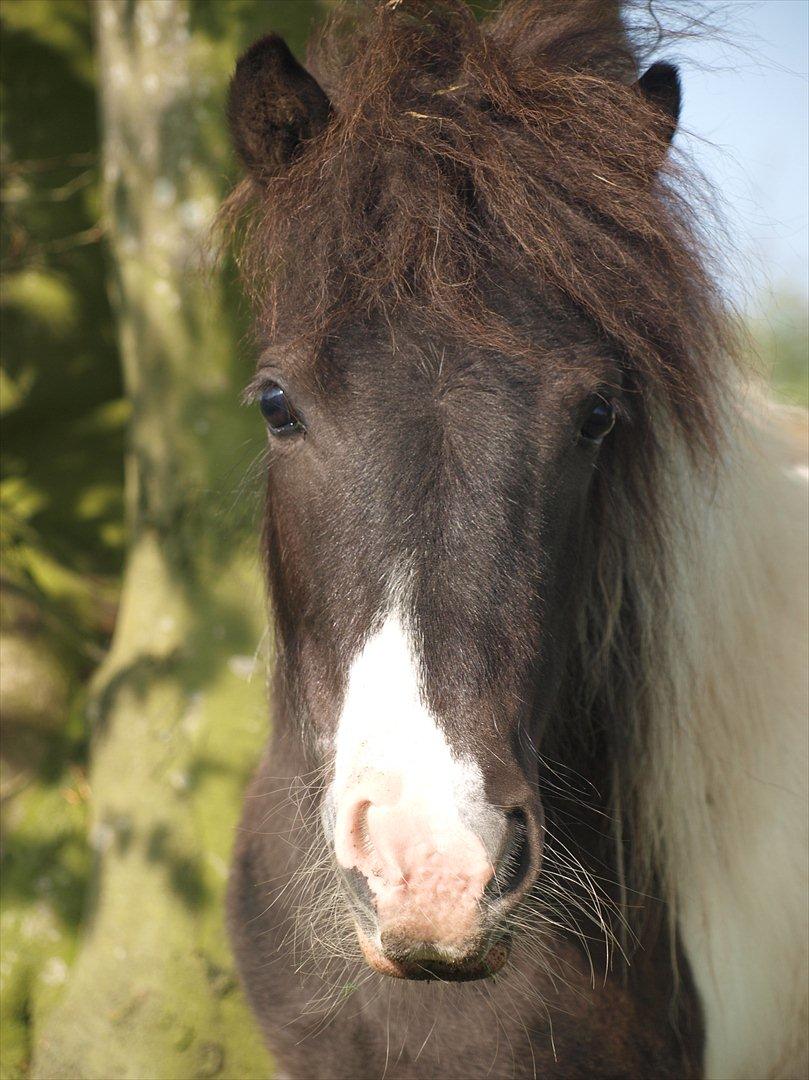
(357, 885)
(514, 864)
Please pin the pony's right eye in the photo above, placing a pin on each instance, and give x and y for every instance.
(599, 421)
(278, 412)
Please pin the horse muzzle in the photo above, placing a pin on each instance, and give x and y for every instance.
(432, 897)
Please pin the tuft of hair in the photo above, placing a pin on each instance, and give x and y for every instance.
(460, 154)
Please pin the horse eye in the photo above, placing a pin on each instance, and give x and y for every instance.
(599, 421)
(278, 412)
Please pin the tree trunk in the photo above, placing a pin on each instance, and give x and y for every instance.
(178, 721)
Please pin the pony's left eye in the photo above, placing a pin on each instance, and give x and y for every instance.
(600, 421)
(278, 412)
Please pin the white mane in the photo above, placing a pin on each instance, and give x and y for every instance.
(721, 773)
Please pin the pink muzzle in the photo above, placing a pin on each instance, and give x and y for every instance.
(425, 875)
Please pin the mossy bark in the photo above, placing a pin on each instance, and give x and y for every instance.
(178, 719)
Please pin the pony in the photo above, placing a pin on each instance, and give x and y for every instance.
(534, 803)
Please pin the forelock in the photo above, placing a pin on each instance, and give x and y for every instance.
(463, 154)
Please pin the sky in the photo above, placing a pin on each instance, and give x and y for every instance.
(746, 122)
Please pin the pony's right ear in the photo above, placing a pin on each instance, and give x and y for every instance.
(274, 105)
(661, 88)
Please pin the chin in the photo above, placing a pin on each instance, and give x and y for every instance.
(430, 962)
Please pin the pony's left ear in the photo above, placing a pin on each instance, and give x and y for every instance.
(661, 88)
(274, 105)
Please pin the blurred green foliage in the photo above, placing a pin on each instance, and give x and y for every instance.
(61, 528)
(62, 408)
(781, 340)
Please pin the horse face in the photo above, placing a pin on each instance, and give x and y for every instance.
(425, 512)
(427, 501)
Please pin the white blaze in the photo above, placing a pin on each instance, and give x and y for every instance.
(389, 743)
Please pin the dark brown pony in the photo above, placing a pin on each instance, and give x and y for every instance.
(489, 352)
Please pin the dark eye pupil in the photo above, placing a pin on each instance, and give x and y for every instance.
(277, 411)
(600, 421)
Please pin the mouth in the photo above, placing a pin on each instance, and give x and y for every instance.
(429, 964)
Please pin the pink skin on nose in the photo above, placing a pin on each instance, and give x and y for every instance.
(426, 875)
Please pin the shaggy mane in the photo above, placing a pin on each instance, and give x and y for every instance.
(464, 153)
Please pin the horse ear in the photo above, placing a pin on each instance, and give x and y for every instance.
(661, 87)
(274, 105)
